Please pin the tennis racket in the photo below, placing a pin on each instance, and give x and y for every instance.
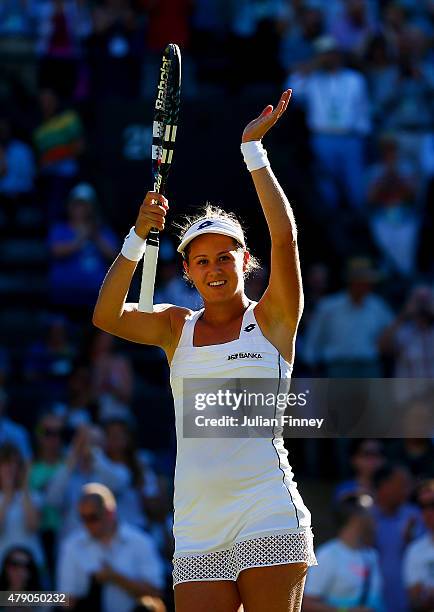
(166, 110)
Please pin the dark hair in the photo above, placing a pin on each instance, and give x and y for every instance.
(48, 413)
(385, 472)
(356, 445)
(33, 582)
(210, 211)
(424, 485)
(131, 459)
(374, 42)
(349, 506)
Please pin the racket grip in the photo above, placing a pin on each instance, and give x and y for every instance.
(146, 299)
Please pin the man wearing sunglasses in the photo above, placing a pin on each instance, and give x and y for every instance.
(107, 562)
(419, 558)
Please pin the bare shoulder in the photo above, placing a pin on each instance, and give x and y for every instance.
(178, 316)
(162, 327)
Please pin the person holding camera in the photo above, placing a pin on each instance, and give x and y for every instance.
(410, 337)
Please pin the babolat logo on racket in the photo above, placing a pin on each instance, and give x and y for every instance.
(205, 224)
(164, 75)
(244, 356)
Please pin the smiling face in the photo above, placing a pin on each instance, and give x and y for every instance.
(216, 266)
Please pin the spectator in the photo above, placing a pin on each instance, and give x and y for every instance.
(351, 29)
(395, 19)
(348, 574)
(85, 463)
(298, 43)
(337, 107)
(62, 29)
(334, 9)
(11, 432)
(316, 286)
(49, 361)
(17, 171)
(345, 328)
(392, 181)
(108, 560)
(81, 249)
(48, 460)
(19, 507)
(81, 407)
(112, 376)
(410, 115)
(255, 42)
(419, 557)
(116, 49)
(137, 502)
(59, 142)
(15, 19)
(417, 454)
(395, 226)
(366, 456)
(397, 523)
(17, 57)
(410, 339)
(315, 289)
(210, 23)
(19, 572)
(381, 73)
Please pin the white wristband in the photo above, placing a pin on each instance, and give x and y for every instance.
(254, 154)
(134, 247)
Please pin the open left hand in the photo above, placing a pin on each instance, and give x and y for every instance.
(257, 128)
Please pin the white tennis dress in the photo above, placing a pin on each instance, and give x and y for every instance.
(236, 503)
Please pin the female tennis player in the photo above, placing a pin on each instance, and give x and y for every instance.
(242, 532)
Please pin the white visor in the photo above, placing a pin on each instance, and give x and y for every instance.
(212, 226)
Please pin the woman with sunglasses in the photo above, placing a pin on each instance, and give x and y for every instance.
(242, 531)
(19, 572)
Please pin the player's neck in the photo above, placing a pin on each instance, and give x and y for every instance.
(222, 313)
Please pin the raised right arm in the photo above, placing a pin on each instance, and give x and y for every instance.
(112, 314)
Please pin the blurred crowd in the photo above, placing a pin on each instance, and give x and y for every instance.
(85, 477)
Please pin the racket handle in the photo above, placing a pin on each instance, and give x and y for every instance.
(146, 299)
